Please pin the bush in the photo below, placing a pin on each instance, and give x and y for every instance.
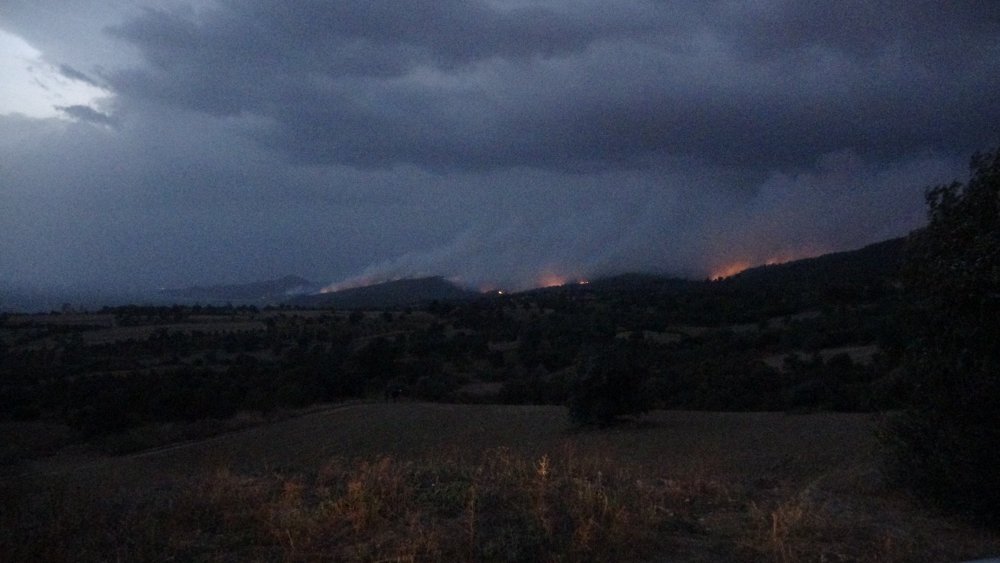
(608, 387)
(947, 441)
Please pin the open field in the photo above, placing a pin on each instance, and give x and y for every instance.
(728, 445)
(418, 481)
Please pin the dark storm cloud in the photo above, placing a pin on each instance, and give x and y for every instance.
(87, 113)
(497, 142)
(224, 55)
(860, 28)
(175, 199)
(476, 85)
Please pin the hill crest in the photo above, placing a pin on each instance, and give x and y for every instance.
(396, 293)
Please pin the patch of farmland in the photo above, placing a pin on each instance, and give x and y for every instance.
(858, 355)
(724, 444)
(143, 332)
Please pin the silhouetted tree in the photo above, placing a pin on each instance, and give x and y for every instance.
(949, 436)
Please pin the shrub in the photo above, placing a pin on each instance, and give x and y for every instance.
(608, 387)
(947, 441)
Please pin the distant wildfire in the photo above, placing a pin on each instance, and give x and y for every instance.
(732, 268)
(555, 280)
(551, 280)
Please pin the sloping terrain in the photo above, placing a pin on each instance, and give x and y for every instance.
(388, 294)
(873, 266)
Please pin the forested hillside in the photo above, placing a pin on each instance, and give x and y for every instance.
(809, 335)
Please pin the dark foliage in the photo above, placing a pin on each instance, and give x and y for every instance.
(948, 439)
(611, 348)
(610, 386)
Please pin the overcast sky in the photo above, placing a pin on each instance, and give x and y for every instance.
(170, 143)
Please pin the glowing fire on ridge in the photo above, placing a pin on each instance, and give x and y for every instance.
(729, 270)
(551, 280)
(733, 268)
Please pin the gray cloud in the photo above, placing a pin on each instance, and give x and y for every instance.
(491, 141)
(87, 113)
(463, 84)
(72, 73)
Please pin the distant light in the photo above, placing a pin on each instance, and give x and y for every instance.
(730, 270)
(551, 280)
(33, 87)
(738, 266)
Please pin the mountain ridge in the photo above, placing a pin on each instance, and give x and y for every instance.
(395, 293)
(265, 291)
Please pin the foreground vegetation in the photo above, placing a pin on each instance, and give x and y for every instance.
(511, 484)
(947, 441)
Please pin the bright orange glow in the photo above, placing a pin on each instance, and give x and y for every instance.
(730, 269)
(735, 267)
(551, 280)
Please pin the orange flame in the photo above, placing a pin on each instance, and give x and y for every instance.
(730, 269)
(551, 280)
(737, 266)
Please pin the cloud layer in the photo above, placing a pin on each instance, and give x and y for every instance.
(491, 141)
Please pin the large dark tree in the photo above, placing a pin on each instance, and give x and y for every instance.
(949, 436)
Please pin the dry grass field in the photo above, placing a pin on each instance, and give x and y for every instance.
(417, 481)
